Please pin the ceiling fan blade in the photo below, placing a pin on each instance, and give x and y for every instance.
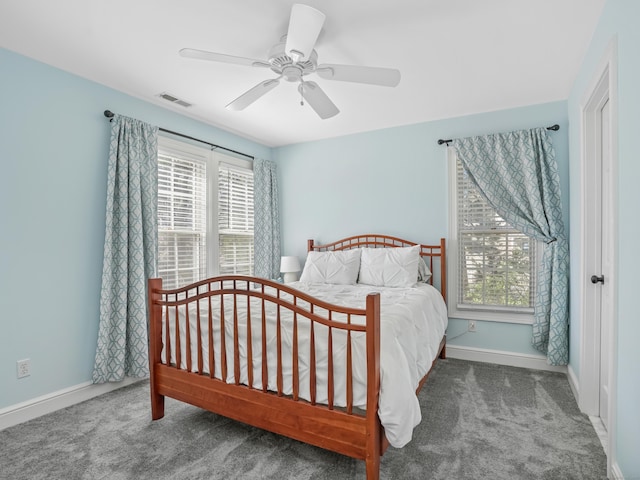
(318, 100)
(305, 24)
(250, 96)
(220, 57)
(386, 77)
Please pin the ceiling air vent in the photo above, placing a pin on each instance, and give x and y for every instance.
(170, 98)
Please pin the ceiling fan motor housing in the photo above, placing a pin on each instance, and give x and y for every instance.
(284, 65)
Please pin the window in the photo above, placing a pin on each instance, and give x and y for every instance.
(235, 220)
(195, 187)
(493, 264)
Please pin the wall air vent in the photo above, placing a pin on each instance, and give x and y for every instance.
(171, 98)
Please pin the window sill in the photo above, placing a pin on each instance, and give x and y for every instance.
(491, 316)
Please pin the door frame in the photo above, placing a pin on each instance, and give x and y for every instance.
(603, 85)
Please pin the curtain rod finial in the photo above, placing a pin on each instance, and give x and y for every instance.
(108, 113)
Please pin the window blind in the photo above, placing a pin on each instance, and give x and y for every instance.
(235, 219)
(496, 263)
(182, 225)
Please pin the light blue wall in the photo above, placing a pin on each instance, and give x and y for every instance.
(620, 18)
(394, 182)
(53, 157)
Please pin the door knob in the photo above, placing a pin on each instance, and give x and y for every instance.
(596, 279)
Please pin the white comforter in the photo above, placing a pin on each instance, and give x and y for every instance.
(413, 321)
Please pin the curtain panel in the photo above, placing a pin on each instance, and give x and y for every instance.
(266, 222)
(130, 250)
(517, 174)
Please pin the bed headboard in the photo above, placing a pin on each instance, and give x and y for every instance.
(434, 255)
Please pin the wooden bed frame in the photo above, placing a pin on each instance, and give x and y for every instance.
(348, 430)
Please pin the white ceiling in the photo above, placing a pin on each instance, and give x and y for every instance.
(457, 57)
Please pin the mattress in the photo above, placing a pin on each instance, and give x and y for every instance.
(412, 324)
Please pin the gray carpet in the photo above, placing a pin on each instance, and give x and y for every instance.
(480, 421)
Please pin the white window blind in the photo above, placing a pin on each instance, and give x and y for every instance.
(495, 262)
(205, 214)
(235, 219)
(182, 220)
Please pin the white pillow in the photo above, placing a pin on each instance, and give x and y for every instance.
(390, 267)
(424, 274)
(338, 267)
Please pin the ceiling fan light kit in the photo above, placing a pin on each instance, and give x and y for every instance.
(293, 59)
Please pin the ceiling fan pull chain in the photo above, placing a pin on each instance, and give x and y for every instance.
(301, 90)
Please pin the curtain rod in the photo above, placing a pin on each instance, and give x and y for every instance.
(555, 128)
(109, 114)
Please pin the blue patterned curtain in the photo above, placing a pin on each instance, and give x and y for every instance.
(266, 222)
(517, 174)
(130, 250)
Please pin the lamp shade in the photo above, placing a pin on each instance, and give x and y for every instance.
(289, 264)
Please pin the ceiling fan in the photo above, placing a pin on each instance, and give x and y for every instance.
(293, 59)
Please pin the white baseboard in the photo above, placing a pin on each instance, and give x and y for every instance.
(601, 431)
(616, 473)
(573, 383)
(36, 407)
(536, 362)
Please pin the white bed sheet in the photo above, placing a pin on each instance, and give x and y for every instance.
(413, 321)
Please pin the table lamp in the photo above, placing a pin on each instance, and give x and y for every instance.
(289, 267)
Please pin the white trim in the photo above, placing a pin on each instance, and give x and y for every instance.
(601, 431)
(607, 71)
(612, 414)
(487, 315)
(573, 383)
(512, 359)
(36, 407)
(615, 472)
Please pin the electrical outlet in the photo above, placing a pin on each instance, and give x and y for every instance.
(24, 368)
(472, 326)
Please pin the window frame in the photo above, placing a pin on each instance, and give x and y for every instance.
(486, 313)
(212, 159)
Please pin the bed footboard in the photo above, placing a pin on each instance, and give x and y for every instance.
(236, 345)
